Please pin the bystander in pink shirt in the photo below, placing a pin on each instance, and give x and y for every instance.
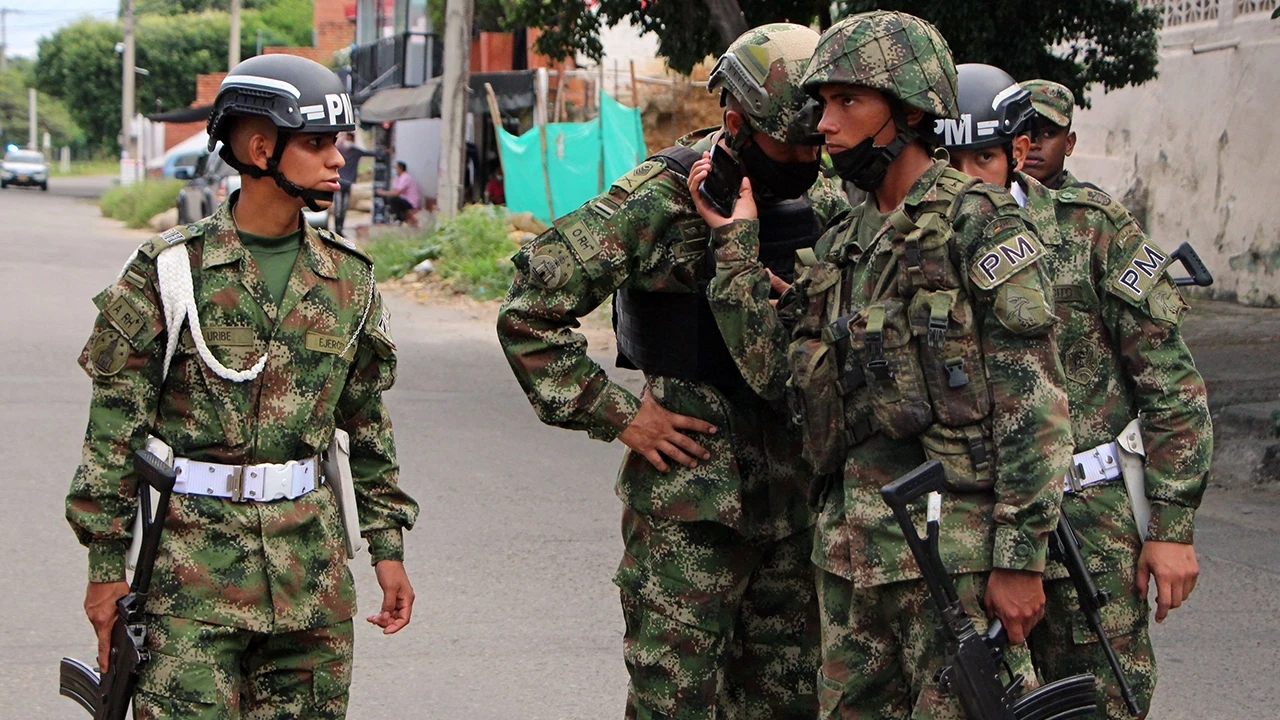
(407, 188)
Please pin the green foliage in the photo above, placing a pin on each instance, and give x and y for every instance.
(137, 204)
(472, 252)
(1080, 44)
(1107, 42)
(79, 65)
(51, 116)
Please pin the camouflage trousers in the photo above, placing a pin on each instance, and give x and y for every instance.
(213, 672)
(1062, 644)
(881, 648)
(718, 626)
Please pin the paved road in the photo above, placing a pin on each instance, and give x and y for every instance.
(512, 558)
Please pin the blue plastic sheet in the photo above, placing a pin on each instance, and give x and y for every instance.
(581, 159)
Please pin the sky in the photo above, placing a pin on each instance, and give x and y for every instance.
(39, 18)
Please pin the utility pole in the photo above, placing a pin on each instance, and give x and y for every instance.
(4, 38)
(31, 119)
(233, 47)
(127, 101)
(453, 106)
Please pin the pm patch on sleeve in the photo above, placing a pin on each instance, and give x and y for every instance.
(1137, 276)
(1005, 258)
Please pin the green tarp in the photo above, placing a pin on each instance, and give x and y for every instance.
(580, 160)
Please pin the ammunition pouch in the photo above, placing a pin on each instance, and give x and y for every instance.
(967, 453)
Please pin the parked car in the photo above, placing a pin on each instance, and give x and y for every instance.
(210, 182)
(24, 167)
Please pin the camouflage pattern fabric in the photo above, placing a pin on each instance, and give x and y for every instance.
(881, 648)
(1063, 644)
(762, 69)
(200, 671)
(266, 567)
(717, 625)
(646, 234)
(1052, 101)
(893, 52)
(1004, 524)
(740, 509)
(1123, 354)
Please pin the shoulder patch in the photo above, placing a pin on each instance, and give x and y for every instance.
(998, 196)
(582, 239)
(1093, 197)
(643, 173)
(551, 266)
(345, 244)
(1005, 258)
(168, 239)
(1135, 278)
(108, 353)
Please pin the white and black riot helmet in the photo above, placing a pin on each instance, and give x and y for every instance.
(296, 94)
(993, 110)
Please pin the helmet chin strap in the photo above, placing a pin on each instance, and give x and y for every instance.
(308, 196)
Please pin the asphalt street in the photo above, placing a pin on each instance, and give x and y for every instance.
(517, 542)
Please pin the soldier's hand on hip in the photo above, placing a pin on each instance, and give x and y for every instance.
(1175, 569)
(1017, 598)
(655, 432)
(743, 209)
(100, 606)
(397, 597)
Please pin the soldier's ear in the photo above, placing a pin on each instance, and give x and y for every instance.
(1071, 142)
(733, 121)
(1021, 146)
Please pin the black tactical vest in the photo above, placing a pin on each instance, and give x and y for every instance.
(674, 334)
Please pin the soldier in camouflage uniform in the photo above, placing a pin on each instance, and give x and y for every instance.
(920, 330)
(716, 589)
(1052, 139)
(286, 338)
(1123, 355)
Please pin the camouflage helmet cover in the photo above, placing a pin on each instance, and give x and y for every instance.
(762, 69)
(893, 52)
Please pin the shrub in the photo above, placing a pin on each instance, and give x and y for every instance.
(136, 204)
(472, 252)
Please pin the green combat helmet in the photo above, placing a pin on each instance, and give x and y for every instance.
(898, 54)
(763, 69)
(893, 52)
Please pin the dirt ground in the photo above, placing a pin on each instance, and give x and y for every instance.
(1237, 350)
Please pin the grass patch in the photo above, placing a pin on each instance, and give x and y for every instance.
(85, 167)
(472, 252)
(136, 204)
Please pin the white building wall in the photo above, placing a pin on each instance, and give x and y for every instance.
(1196, 152)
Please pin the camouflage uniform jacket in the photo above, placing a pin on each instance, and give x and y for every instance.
(270, 567)
(1123, 355)
(645, 233)
(1004, 526)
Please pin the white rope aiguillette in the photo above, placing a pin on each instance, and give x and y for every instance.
(177, 294)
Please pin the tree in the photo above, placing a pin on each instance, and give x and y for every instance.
(1107, 42)
(79, 65)
(52, 116)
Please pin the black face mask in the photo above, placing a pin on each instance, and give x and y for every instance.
(866, 163)
(773, 181)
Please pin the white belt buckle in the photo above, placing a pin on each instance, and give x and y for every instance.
(277, 481)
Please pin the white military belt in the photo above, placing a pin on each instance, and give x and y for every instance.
(1093, 466)
(260, 483)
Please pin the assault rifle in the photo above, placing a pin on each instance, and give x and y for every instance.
(971, 670)
(1064, 547)
(108, 695)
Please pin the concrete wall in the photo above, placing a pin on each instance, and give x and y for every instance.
(1196, 153)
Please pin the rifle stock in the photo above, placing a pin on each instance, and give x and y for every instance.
(1065, 547)
(971, 670)
(107, 696)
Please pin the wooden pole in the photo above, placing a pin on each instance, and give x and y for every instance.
(453, 106)
(560, 92)
(635, 92)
